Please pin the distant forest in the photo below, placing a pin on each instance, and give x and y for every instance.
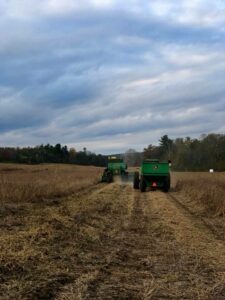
(51, 154)
(186, 154)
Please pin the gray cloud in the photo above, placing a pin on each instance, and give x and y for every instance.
(109, 75)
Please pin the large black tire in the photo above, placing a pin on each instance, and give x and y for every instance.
(136, 181)
(142, 185)
(109, 177)
(166, 186)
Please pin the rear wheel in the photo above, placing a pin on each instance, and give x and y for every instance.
(136, 181)
(109, 177)
(166, 186)
(142, 185)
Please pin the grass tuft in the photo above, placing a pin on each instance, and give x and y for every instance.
(205, 188)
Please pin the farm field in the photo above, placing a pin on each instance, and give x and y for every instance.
(64, 235)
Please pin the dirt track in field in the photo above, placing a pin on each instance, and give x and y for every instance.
(112, 242)
(148, 246)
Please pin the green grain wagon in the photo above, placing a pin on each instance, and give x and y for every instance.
(115, 166)
(153, 174)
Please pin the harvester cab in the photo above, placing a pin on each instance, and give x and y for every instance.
(115, 166)
(153, 174)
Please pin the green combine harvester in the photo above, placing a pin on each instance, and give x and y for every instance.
(115, 166)
(154, 175)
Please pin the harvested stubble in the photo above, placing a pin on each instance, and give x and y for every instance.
(208, 189)
(20, 183)
(38, 240)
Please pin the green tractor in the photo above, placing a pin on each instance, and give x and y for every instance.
(115, 166)
(153, 174)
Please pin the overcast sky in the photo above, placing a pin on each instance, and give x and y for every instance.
(110, 75)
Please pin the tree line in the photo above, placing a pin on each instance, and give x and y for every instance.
(186, 154)
(51, 154)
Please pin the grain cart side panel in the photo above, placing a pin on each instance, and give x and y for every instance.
(159, 169)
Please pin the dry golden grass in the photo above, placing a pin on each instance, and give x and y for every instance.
(60, 232)
(207, 189)
(50, 242)
(22, 183)
(196, 248)
(41, 239)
